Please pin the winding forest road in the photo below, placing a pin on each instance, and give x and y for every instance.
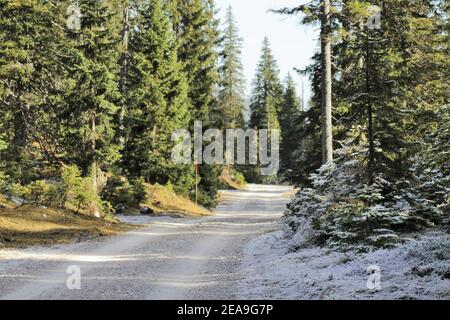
(167, 259)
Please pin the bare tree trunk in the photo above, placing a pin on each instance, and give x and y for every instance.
(124, 69)
(370, 129)
(20, 131)
(327, 125)
(94, 167)
(303, 106)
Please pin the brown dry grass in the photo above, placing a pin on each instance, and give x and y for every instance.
(162, 200)
(5, 203)
(228, 180)
(291, 193)
(26, 226)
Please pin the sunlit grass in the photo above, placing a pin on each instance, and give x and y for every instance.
(24, 226)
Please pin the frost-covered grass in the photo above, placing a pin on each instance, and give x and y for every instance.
(417, 269)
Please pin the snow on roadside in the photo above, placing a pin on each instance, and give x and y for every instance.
(419, 269)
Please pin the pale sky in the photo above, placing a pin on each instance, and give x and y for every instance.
(292, 43)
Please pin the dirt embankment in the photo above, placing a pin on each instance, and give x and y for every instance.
(163, 201)
(23, 226)
(27, 226)
(232, 180)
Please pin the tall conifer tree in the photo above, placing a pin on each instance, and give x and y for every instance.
(92, 103)
(290, 123)
(266, 97)
(197, 32)
(231, 100)
(158, 100)
(28, 63)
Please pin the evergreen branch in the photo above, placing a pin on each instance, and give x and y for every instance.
(290, 11)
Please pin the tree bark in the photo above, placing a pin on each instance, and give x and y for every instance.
(20, 131)
(327, 125)
(124, 69)
(370, 128)
(94, 167)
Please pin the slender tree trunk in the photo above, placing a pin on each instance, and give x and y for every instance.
(327, 125)
(124, 69)
(302, 106)
(20, 131)
(370, 130)
(94, 167)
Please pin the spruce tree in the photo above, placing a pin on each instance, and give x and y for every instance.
(91, 105)
(28, 63)
(387, 81)
(197, 33)
(389, 96)
(378, 81)
(265, 103)
(231, 99)
(308, 157)
(266, 96)
(123, 21)
(196, 29)
(158, 101)
(322, 11)
(290, 122)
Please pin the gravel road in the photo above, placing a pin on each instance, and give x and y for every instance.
(170, 258)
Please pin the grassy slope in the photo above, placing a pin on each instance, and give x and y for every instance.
(229, 180)
(162, 200)
(25, 226)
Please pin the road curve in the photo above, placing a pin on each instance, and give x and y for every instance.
(168, 259)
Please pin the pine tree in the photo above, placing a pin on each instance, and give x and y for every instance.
(265, 104)
(27, 71)
(158, 101)
(121, 26)
(322, 11)
(290, 122)
(267, 92)
(308, 157)
(385, 178)
(91, 106)
(197, 33)
(231, 100)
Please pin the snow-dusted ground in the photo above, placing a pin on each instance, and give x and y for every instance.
(233, 254)
(411, 271)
